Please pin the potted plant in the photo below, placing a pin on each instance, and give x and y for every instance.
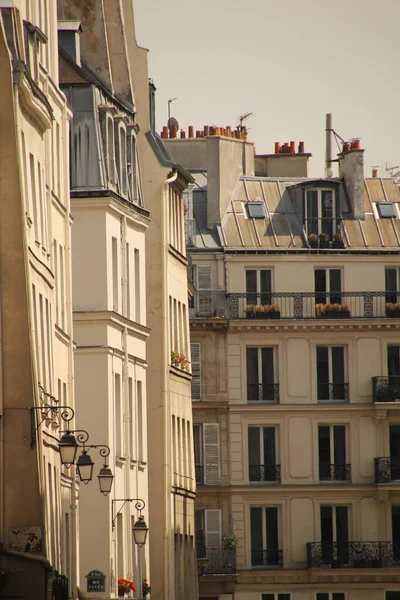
(124, 587)
(260, 313)
(274, 312)
(320, 310)
(392, 310)
(337, 311)
(250, 311)
(146, 589)
(229, 541)
(323, 240)
(338, 241)
(179, 360)
(313, 240)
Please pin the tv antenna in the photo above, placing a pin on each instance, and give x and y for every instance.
(243, 117)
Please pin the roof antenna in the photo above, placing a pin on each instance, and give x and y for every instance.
(328, 156)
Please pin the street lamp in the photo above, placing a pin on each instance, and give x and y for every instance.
(68, 447)
(140, 531)
(106, 479)
(84, 466)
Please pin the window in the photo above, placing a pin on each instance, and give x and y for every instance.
(195, 352)
(261, 384)
(137, 285)
(392, 285)
(394, 437)
(332, 453)
(255, 210)
(118, 415)
(198, 453)
(262, 454)
(258, 286)
(122, 160)
(330, 596)
(392, 596)
(204, 304)
(208, 530)
(331, 374)
(322, 212)
(110, 150)
(275, 596)
(386, 210)
(115, 278)
(334, 521)
(396, 532)
(328, 286)
(264, 531)
(206, 453)
(393, 361)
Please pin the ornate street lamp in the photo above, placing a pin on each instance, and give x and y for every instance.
(84, 466)
(106, 479)
(140, 531)
(68, 447)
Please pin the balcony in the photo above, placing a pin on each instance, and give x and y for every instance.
(333, 392)
(207, 304)
(334, 472)
(199, 472)
(217, 561)
(267, 558)
(353, 555)
(265, 473)
(386, 389)
(259, 392)
(387, 470)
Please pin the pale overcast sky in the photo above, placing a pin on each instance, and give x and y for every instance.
(289, 62)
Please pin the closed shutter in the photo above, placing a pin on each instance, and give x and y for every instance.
(205, 307)
(196, 371)
(211, 453)
(213, 528)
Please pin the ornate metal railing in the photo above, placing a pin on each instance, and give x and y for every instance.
(59, 589)
(199, 472)
(265, 472)
(221, 561)
(292, 305)
(353, 555)
(386, 389)
(333, 391)
(336, 472)
(263, 392)
(386, 470)
(267, 558)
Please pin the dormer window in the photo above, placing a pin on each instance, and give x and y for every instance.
(386, 210)
(255, 210)
(322, 212)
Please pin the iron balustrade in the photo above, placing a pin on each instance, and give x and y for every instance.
(59, 587)
(333, 392)
(263, 392)
(386, 389)
(353, 555)
(387, 469)
(199, 471)
(265, 473)
(267, 558)
(326, 229)
(334, 472)
(221, 560)
(208, 304)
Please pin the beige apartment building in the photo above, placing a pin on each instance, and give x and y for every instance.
(38, 498)
(295, 334)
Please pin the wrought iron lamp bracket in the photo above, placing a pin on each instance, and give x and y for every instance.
(66, 413)
(139, 505)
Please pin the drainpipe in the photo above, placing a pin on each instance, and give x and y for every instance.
(165, 392)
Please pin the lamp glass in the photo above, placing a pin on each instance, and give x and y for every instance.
(68, 447)
(85, 467)
(106, 479)
(140, 531)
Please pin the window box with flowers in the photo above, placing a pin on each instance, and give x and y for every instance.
(124, 587)
(179, 360)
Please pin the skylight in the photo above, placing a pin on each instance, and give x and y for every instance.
(386, 210)
(255, 210)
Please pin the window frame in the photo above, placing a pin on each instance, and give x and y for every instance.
(251, 204)
(279, 521)
(262, 451)
(260, 382)
(384, 205)
(330, 372)
(259, 293)
(336, 214)
(331, 595)
(331, 427)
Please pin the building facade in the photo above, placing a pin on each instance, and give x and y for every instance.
(109, 295)
(294, 326)
(38, 506)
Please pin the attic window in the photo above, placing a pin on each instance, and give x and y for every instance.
(386, 210)
(255, 210)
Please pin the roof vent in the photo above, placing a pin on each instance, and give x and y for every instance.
(386, 210)
(255, 210)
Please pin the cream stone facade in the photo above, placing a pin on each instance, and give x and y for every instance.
(38, 507)
(296, 338)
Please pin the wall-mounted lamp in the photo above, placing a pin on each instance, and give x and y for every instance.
(139, 529)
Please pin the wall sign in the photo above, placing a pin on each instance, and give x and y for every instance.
(96, 581)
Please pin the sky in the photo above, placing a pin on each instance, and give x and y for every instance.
(289, 62)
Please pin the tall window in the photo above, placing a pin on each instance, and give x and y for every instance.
(195, 357)
(118, 415)
(122, 159)
(262, 454)
(207, 453)
(392, 292)
(331, 373)
(396, 531)
(264, 531)
(328, 286)
(393, 361)
(334, 522)
(110, 150)
(115, 277)
(198, 453)
(322, 212)
(208, 530)
(258, 286)
(261, 384)
(332, 453)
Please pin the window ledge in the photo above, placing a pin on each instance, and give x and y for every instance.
(180, 373)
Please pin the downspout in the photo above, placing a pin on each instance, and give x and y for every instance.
(165, 391)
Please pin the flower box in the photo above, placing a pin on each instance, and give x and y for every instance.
(336, 314)
(392, 310)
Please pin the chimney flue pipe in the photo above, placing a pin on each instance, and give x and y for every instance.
(328, 159)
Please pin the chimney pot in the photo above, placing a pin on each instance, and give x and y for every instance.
(183, 134)
(277, 147)
(301, 147)
(355, 144)
(375, 172)
(293, 147)
(164, 133)
(198, 133)
(191, 131)
(173, 131)
(346, 147)
(206, 130)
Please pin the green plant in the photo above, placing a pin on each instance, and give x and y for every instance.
(229, 541)
(124, 586)
(323, 237)
(178, 359)
(146, 589)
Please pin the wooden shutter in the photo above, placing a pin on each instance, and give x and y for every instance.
(203, 277)
(205, 307)
(211, 453)
(195, 352)
(213, 528)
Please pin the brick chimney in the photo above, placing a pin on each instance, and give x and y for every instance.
(351, 170)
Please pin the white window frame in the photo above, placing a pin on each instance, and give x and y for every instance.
(319, 207)
(258, 275)
(331, 437)
(276, 594)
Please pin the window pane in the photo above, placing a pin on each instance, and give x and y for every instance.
(320, 286)
(339, 440)
(267, 366)
(266, 288)
(255, 210)
(267, 597)
(252, 373)
(251, 287)
(322, 596)
(322, 373)
(335, 284)
(269, 446)
(392, 596)
(338, 373)
(271, 514)
(254, 453)
(393, 361)
(283, 596)
(326, 524)
(324, 451)
(391, 285)
(342, 524)
(256, 536)
(312, 211)
(338, 596)
(386, 210)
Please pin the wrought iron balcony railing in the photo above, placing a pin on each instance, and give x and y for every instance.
(387, 470)
(386, 389)
(265, 473)
(333, 392)
(336, 472)
(199, 472)
(263, 392)
(221, 561)
(293, 305)
(353, 555)
(267, 558)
